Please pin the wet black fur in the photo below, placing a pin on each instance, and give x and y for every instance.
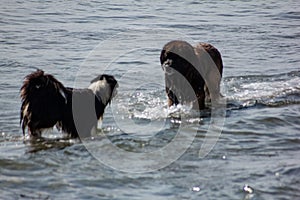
(49, 103)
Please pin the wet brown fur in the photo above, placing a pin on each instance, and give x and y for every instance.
(189, 61)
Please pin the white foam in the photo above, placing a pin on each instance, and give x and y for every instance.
(262, 90)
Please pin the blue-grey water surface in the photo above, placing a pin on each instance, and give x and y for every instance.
(257, 156)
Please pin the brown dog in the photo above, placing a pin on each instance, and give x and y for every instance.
(192, 74)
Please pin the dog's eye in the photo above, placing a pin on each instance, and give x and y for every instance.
(37, 86)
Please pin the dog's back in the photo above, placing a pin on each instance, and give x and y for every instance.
(213, 69)
(81, 113)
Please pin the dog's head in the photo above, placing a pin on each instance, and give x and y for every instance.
(177, 56)
(184, 82)
(104, 87)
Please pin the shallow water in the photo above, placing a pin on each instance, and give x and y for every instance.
(257, 154)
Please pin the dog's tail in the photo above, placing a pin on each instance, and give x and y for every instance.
(43, 98)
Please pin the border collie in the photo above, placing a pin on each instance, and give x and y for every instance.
(182, 63)
(46, 102)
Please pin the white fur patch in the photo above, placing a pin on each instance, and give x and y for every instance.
(25, 111)
(102, 90)
(99, 122)
(63, 95)
(166, 67)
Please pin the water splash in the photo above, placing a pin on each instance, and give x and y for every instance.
(274, 90)
(146, 106)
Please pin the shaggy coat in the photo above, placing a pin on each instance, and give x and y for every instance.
(184, 66)
(46, 103)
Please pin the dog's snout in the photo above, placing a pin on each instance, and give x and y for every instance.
(167, 63)
(167, 67)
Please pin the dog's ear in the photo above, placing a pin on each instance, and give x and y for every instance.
(109, 78)
(162, 56)
(98, 78)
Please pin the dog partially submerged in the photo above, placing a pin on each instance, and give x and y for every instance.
(46, 102)
(192, 74)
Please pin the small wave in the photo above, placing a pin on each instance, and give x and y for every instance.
(146, 105)
(273, 90)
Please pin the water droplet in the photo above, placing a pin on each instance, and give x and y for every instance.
(196, 189)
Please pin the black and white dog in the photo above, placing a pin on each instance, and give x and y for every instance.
(46, 102)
